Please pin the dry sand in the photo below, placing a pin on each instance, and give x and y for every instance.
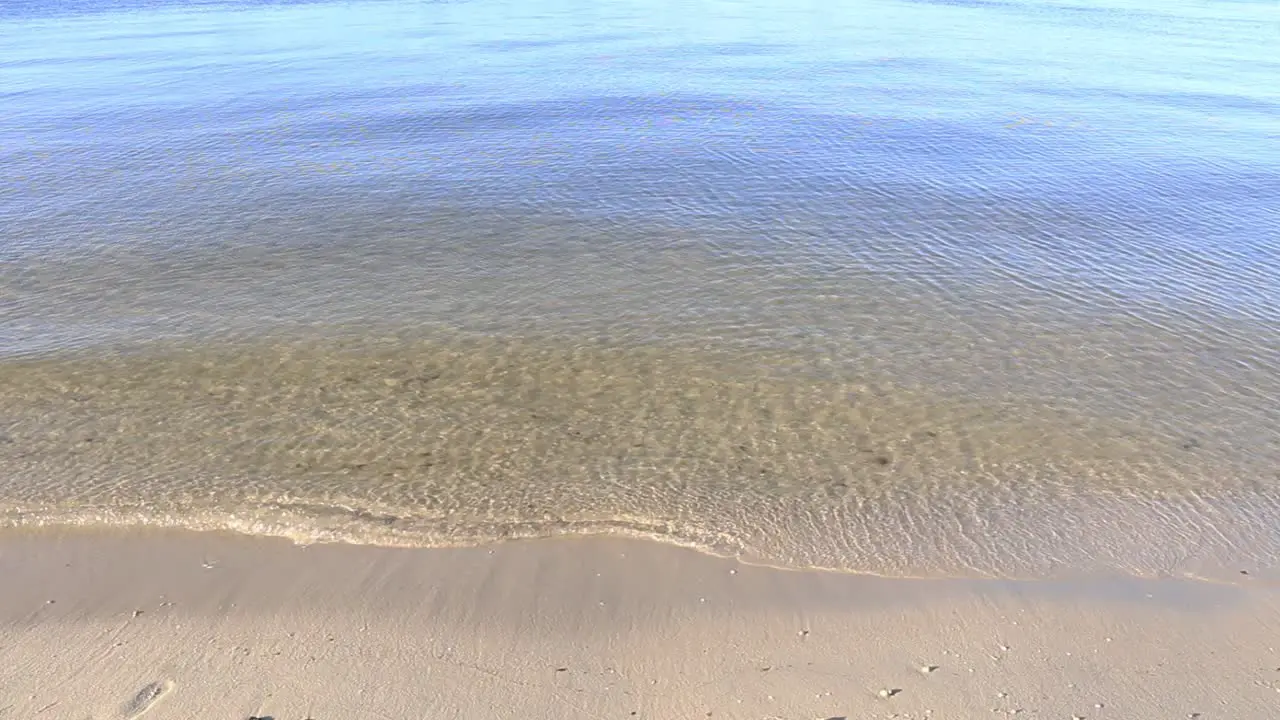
(187, 625)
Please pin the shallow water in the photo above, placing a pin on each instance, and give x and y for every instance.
(902, 287)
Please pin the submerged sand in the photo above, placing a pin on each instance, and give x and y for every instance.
(767, 456)
(207, 625)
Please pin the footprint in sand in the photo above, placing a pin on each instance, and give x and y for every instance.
(145, 699)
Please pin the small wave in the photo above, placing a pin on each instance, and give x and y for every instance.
(1188, 538)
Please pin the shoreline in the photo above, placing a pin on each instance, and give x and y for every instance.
(1225, 573)
(430, 440)
(177, 624)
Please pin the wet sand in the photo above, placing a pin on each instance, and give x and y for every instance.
(179, 625)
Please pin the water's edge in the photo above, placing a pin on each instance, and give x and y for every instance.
(461, 441)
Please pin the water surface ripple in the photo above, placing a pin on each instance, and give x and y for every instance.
(905, 287)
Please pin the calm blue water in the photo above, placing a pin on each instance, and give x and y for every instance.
(891, 286)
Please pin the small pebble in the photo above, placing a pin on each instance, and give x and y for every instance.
(888, 692)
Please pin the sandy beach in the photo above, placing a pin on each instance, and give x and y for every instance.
(202, 625)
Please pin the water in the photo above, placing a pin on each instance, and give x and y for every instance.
(911, 288)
